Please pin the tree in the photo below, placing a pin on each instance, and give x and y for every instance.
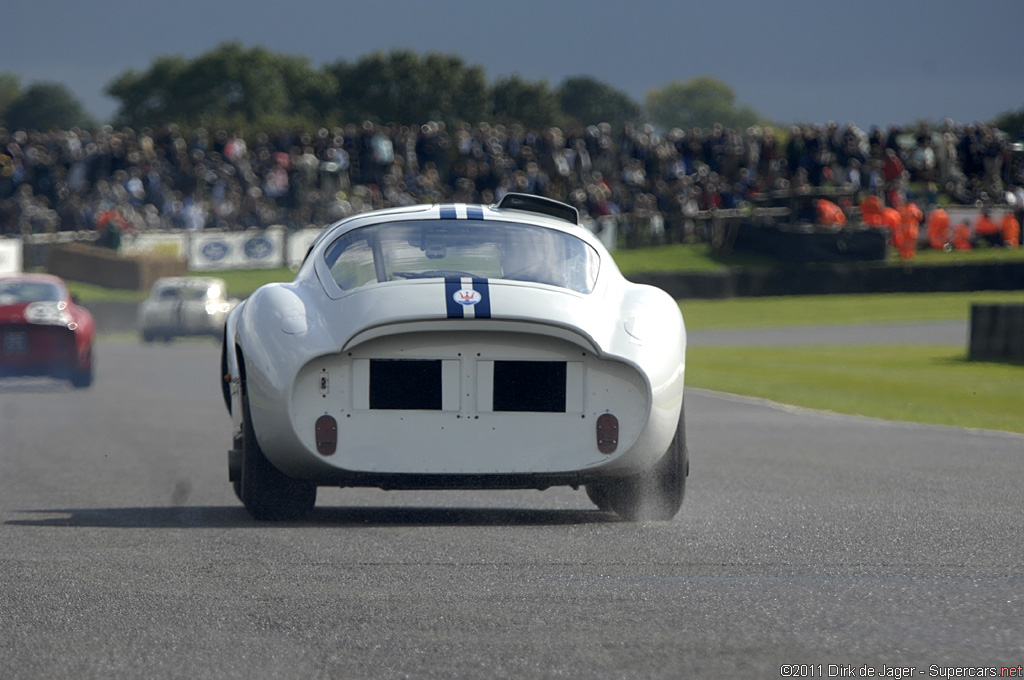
(531, 103)
(10, 90)
(228, 83)
(147, 98)
(457, 92)
(1011, 122)
(590, 101)
(699, 102)
(45, 105)
(402, 87)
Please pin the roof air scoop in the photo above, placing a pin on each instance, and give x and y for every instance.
(540, 204)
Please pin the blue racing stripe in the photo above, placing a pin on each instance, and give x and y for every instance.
(452, 285)
(474, 212)
(483, 308)
(448, 212)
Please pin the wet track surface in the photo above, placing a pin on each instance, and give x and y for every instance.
(805, 538)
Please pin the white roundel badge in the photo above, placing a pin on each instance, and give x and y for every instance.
(467, 298)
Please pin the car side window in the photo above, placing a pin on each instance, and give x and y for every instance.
(351, 261)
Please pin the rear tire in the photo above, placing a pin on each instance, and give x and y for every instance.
(600, 495)
(267, 493)
(82, 377)
(655, 494)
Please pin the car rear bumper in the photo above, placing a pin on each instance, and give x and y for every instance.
(474, 409)
(37, 350)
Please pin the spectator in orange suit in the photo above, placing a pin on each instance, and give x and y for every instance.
(871, 210)
(962, 237)
(938, 229)
(891, 220)
(905, 236)
(1010, 228)
(987, 230)
(830, 214)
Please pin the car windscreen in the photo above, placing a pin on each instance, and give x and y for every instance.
(395, 251)
(175, 293)
(19, 291)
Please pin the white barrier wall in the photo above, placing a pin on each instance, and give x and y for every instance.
(10, 256)
(298, 245)
(171, 244)
(604, 227)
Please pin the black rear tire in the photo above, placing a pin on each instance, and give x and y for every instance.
(267, 493)
(600, 495)
(83, 377)
(655, 494)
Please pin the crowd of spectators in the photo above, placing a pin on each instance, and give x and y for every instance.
(66, 180)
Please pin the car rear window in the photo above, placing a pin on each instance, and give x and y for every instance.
(17, 291)
(396, 251)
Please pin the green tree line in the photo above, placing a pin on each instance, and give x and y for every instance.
(234, 86)
(252, 88)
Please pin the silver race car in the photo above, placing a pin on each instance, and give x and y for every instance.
(457, 346)
(184, 305)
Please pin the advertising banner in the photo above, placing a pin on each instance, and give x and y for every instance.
(251, 249)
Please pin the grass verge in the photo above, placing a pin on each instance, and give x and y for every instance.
(697, 257)
(807, 310)
(924, 384)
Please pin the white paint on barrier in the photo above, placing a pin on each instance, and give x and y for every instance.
(170, 244)
(298, 245)
(10, 256)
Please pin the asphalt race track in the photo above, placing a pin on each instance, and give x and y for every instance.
(806, 539)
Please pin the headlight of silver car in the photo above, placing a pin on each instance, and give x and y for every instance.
(215, 307)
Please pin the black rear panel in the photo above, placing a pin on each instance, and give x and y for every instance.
(537, 386)
(405, 384)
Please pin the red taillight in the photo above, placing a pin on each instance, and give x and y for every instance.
(607, 433)
(326, 435)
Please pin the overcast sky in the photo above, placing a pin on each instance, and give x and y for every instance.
(872, 62)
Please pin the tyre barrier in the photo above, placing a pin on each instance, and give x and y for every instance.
(997, 332)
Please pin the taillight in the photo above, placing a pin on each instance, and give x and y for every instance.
(607, 433)
(326, 435)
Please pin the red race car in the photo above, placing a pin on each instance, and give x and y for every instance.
(43, 332)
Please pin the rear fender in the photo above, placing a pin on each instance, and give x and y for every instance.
(230, 361)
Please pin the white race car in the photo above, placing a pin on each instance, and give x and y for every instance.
(184, 305)
(457, 346)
